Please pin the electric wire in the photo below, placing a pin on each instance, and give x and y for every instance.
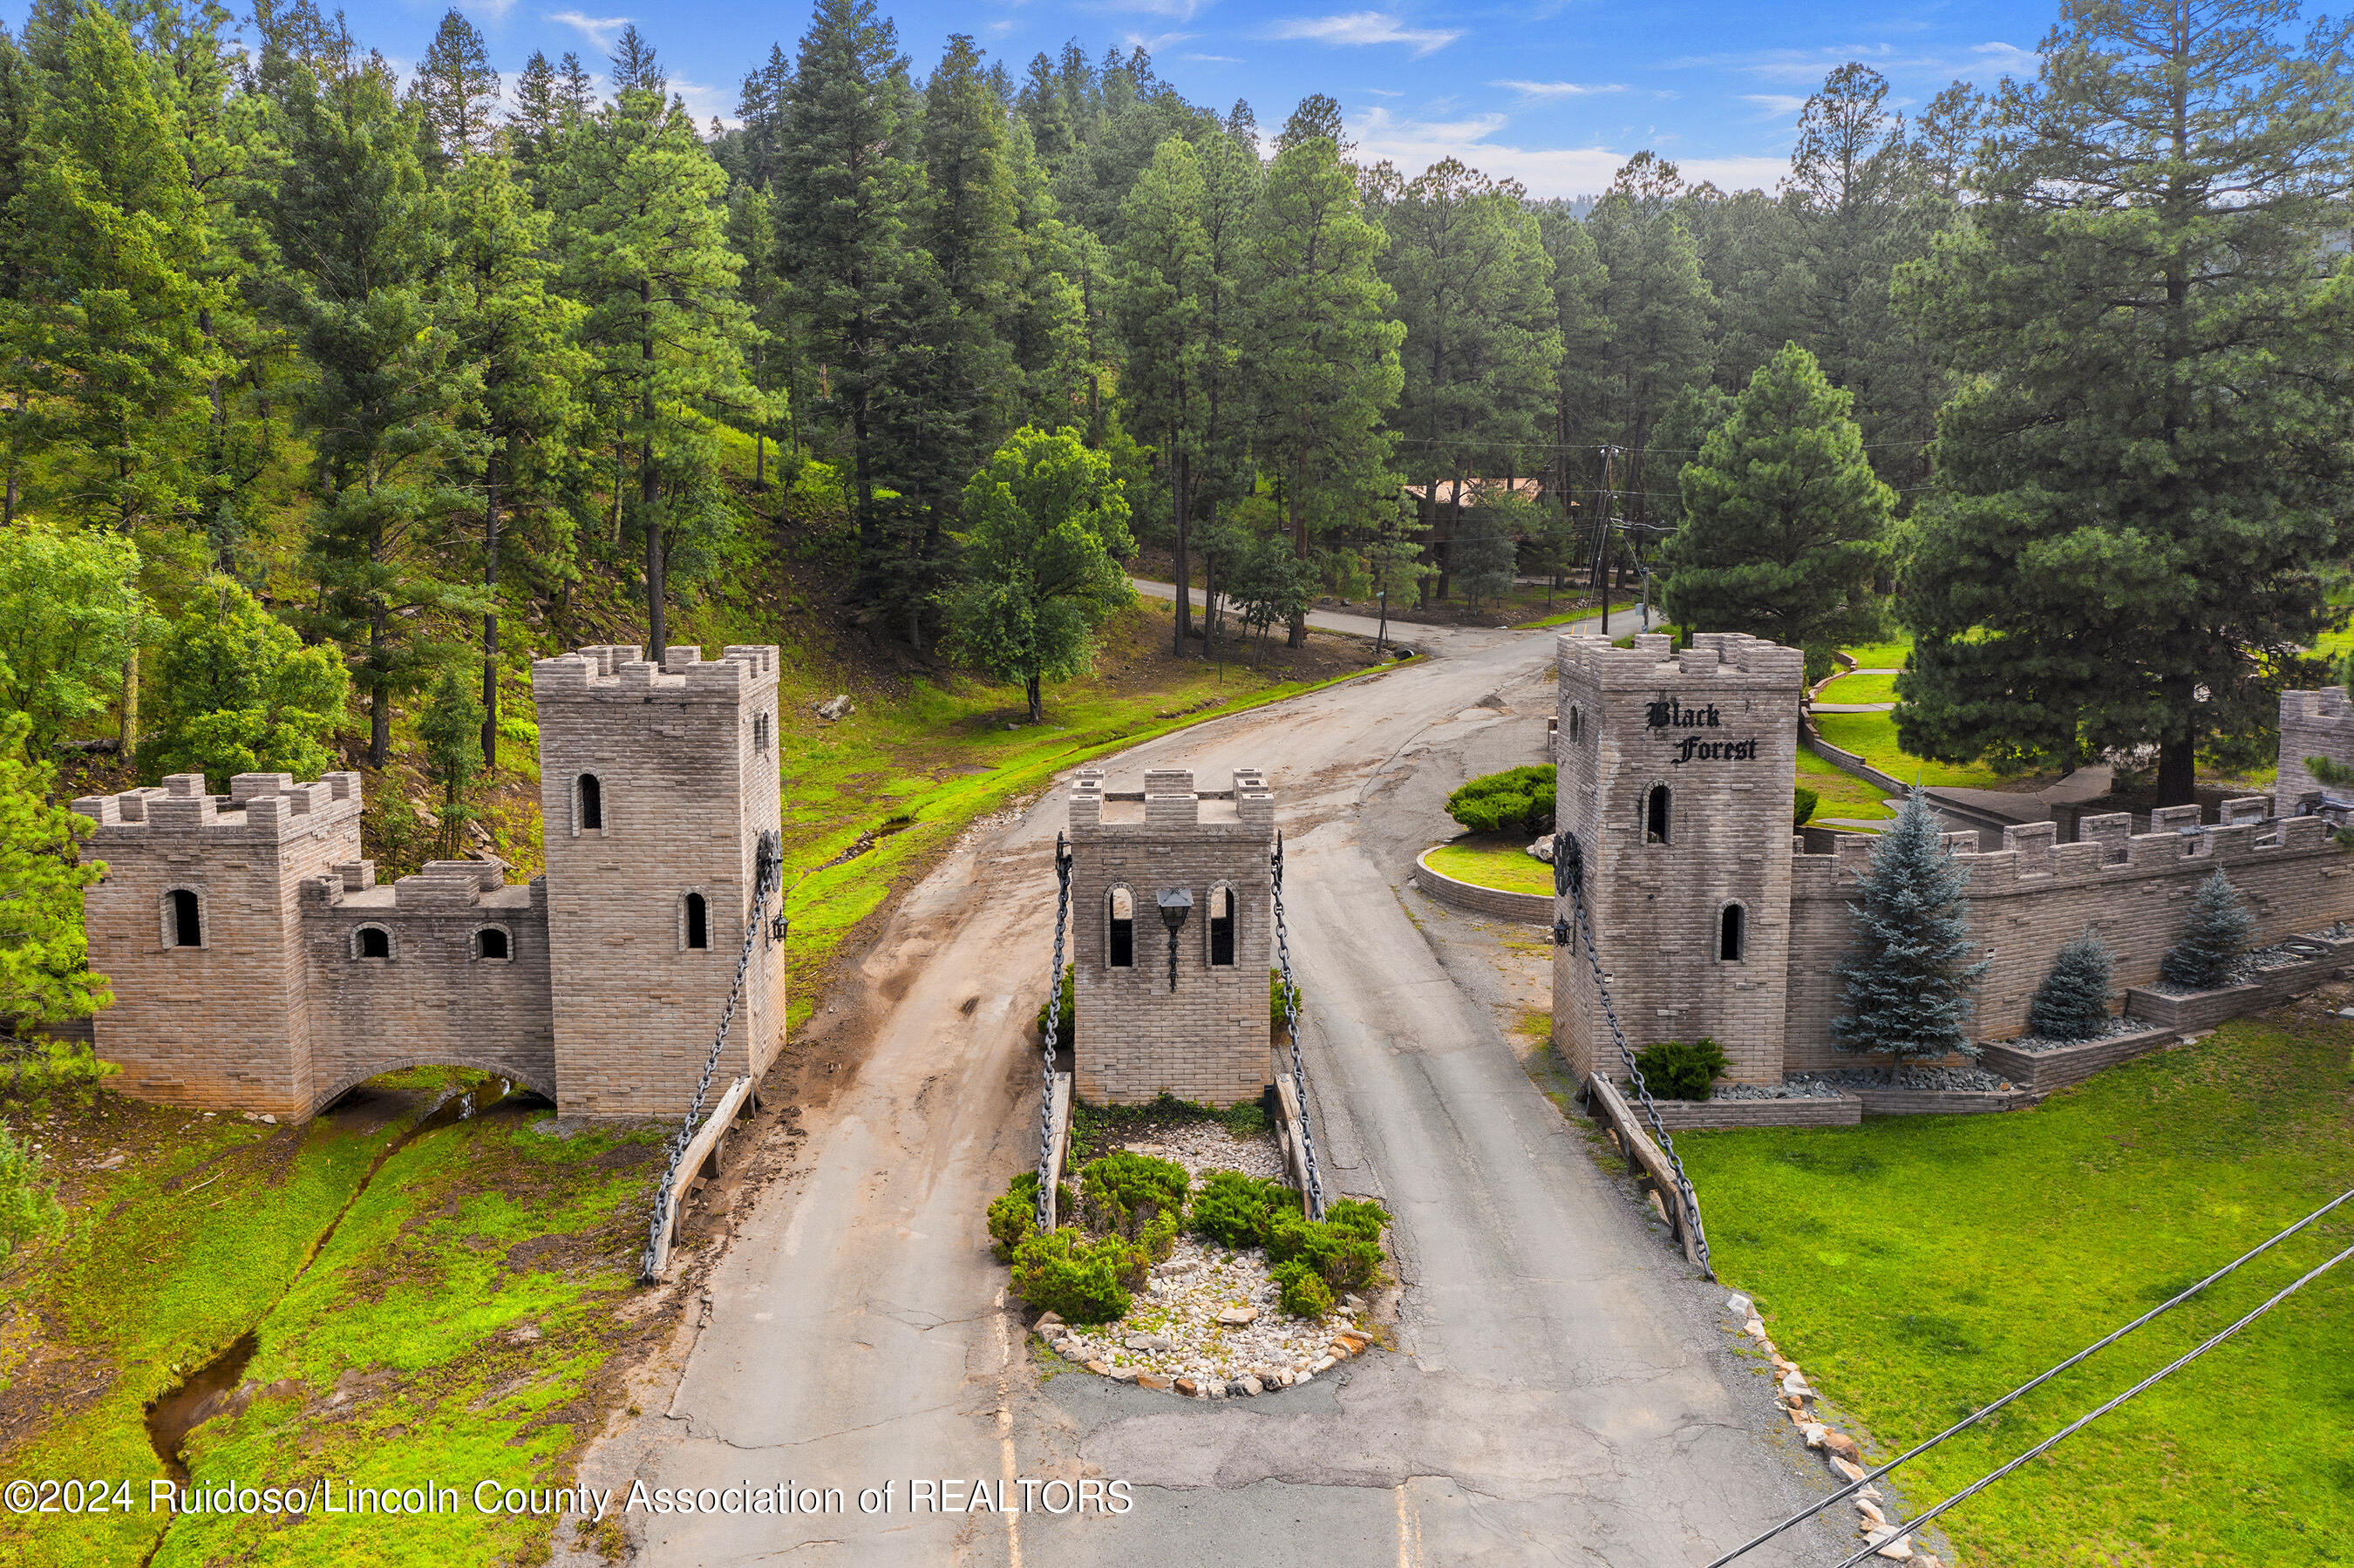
(2032, 1383)
(1905, 1530)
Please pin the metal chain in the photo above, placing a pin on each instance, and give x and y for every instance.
(769, 873)
(1054, 1027)
(1292, 1026)
(1569, 882)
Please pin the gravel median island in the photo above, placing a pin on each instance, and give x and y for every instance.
(1209, 1323)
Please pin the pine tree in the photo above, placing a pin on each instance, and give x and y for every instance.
(449, 731)
(641, 227)
(1654, 306)
(1785, 523)
(533, 123)
(765, 106)
(576, 93)
(2155, 434)
(1163, 271)
(366, 241)
(845, 192)
(1482, 346)
(516, 333)
(1326, 349)
(45, 974)
(113, 237)
(239, 693)
(1906, 981)
(2214, 939)
(459, 90)
(2072, 1002)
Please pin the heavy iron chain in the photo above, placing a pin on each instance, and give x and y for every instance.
(1291, 1027)
(1054, 1028)
(768, 864)
(1569, 882)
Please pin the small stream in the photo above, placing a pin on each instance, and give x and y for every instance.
(200, 1396)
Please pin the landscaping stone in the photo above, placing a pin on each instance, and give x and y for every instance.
(1184, 1385)
(1840, 1444)
(1888, 1543)
(1238, 1317)
(1047, 1323)
(1147, 1380)
(1250, 1385)
(1740, 1306)
(1848, 1471)
(1870, 1511)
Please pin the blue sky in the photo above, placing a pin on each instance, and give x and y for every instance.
(1557, 93)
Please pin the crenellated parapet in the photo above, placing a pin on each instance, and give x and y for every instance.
(2313, 724)
(259, 806)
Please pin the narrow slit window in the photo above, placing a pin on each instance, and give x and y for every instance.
(1120, 951)
(759, 732)
(1655, 815)
(491, 943)
(592, 804)
(1222, 927)
(1729, 934)
(698, 921)
(187, 925)
(375, 942)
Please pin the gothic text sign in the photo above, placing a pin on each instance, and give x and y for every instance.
(1668, 713)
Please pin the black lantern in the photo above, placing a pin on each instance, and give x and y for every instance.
(1176, 903)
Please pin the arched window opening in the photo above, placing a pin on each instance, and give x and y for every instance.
(1120, 951)
(187, 925)
(1222, 927)
(698, 921)
(375, 942)
(593, 803)
(1577, 722)
(1655, 815)
(1729, 934)
(490, 942)
(759, 732)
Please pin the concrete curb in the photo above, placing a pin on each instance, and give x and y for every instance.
(1532, 907)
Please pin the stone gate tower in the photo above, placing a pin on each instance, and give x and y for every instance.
(1175, 930)
(656, 784)
(1675, 772)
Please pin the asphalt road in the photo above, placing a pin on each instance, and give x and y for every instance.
(1564, 1389)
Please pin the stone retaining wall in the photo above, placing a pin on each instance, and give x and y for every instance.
(1677, 1116)
(2205, 1009)
(2041, 1072)
(1941, 1102)
(1534, 908)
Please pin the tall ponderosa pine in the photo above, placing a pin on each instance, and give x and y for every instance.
(1906, 981)
(458, 91)
(1325, 346)
(1784, 523)
(516, 333)
(366, 242)
(2149, 457)
(2072, 1002)
(1164, 260)
(641, 226)
(2214, 939)
(1654, 309)
(846, 187)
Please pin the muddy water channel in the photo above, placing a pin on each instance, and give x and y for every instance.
(214, 1387)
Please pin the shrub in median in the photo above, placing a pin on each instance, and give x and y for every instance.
(1123, 1192)
(1067, 1028)
(1675, 1071)
(1235, 1209)
(1304, 1292)
(1015, 1215)
(1061, 1271)
(1346, 1256)
(1519, 800)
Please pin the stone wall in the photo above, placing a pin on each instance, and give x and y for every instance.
(2312, 724)
(225, 1022)
(2033, 894)
(685, 759)
(1207, 1039)
(435, 997)
(1716, 726)
(1501, 903)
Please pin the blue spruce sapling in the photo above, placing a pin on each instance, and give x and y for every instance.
(2072, 1002)
(1908, 977)
(2218, 932)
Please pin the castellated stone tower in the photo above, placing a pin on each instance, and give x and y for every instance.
(2312, 724)
(199, 925)
(656, 784)
(1675, 772)
(1190, 1018)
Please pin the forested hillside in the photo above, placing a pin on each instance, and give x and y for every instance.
(333, 398)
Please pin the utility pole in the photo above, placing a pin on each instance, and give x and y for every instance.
(1602, 547)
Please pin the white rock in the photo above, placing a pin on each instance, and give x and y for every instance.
(1322, 1363)
(1813, 1431)
(1794, 1382)
(1870, 1511)
(1252, 1385)
(1740, 1306)
(839, 706)
(1888, 1543)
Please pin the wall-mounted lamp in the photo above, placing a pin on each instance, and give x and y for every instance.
(1176, 903)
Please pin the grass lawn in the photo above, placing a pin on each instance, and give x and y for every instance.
(1872, 737)
(1860, 689)
(1562, 617)
(1919, 1266)
(1839, 793)
(1882, 655)
(1493, 862)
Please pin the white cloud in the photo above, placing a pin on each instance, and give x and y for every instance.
(706, 103)
(1366, 27)
(1774, 103)
(1154, 45)
(496, 10)
(1560, 89)
(2009, 58)
(1175, 10)
(1211, 59)
(600, 30)
(1413, 145)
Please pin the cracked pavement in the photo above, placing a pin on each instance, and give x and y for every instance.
(1564, 1389)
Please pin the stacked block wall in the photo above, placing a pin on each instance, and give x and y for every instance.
(2312, 724)
(1208, 1039)
(434, 998)
(227, 1023)
(1656, 907)
(685, 755)
(2032, 895)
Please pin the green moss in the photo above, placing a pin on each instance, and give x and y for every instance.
(1502, 862)
(1918, 1267)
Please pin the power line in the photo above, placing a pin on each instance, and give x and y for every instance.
(2032, 1383)
(2103, 1408)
